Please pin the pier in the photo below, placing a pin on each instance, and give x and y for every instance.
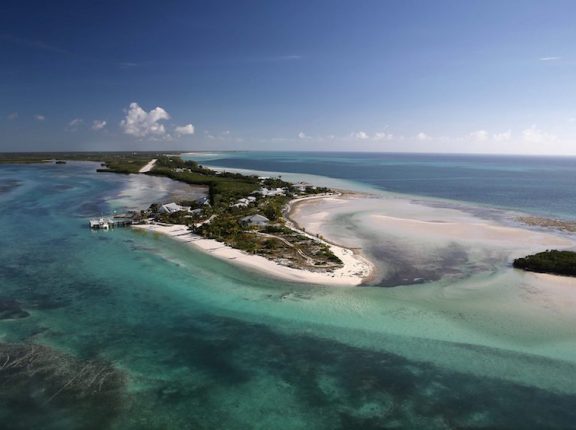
(108, 223)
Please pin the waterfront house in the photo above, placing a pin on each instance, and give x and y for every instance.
(255, 220)
(267, 192)
(244, 202)
(170, 208)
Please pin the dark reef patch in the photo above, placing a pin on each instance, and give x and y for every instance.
(342, 386)
(8, 185)
(43, 388)
(10, 309)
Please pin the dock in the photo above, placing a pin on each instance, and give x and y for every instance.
(108, 223)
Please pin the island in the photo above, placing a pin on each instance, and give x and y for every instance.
(553, 262)
(249, 215)
(244, 219)
(244, 212)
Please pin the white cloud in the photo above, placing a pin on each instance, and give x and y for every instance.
(360, 135)
(184, 130)
(75, 124)
(140, 123)
(98, 124)
(535, 135)
(479, 135)
(39, 117)
(505, 136)
(549, 58)
(383, 136)
(303, 136)
(13, 116)
(422, 136)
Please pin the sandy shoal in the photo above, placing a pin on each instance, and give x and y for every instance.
(413, 221)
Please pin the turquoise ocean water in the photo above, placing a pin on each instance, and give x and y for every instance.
(125, 330)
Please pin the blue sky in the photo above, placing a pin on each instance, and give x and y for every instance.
(490, 76)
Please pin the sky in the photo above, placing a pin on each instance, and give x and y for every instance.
(459, 76)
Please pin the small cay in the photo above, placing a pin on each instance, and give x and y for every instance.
(248, 213)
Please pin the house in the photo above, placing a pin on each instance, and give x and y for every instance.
(254, 220)
(266, 192)
(301, 186)
(203, 201)
(241, 203)
(244, 202)
(170, 208)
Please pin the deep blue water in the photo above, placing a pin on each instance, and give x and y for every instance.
(122, 330)
(543, 185)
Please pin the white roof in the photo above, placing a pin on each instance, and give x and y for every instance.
(172, 207)
(255, 219)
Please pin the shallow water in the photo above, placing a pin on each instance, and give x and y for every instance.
(176, 339)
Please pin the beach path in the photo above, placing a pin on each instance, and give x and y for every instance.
(148, 166)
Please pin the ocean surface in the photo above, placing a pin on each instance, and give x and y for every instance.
(541, 185)
(127, 330)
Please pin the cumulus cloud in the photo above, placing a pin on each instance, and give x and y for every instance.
(383, 136)
(303, 136)
(39, 117)
(75, 124)
(535, 135)
(360, 135)
(13, 116)
(422, 136)
(140, 123)
(479, 135)
(503, 137)
(98, 124)
(184, 130)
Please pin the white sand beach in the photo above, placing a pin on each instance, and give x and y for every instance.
(355, 270)
(149, 166)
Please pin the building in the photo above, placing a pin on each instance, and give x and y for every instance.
(267, 192)
(244, 202)
(255, 220)
(170, 208)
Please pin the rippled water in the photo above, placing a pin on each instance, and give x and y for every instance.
(545, 185)
(125, 330)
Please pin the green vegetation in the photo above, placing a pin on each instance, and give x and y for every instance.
(24, 158)
(274, 241)
(221, 220)
(552, 261)
(116, 162)
(223, 188)
(125, 163)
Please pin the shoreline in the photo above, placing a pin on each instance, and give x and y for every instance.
(448, 224)
(356, 269)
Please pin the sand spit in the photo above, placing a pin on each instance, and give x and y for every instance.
(354, 271)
